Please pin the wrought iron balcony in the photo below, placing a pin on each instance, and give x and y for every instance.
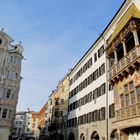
(124, 63)
(128, 112)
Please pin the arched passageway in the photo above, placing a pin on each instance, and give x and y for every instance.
(114, 135)
(71, 136)
(95, 136)
(61, 137)
(82, 137)
(131, 133)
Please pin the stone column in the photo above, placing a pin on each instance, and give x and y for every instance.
(136, 37)
(119, 133)
(124, 47)
(107, 62)
(115, 54)
(133, 28)
(122, 40)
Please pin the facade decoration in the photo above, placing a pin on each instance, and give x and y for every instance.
(10, 69)
(124, 62)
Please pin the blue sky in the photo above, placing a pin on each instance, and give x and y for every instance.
(55, 35)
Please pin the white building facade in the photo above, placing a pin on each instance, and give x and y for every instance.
(88, 93)
(91, 100)
(20, 125)
(10, 69)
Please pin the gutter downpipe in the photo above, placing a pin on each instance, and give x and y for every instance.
(106, 69)
(67, 112)
(67, 109)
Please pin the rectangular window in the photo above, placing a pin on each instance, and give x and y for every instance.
(96, 74)
(122, 101)
(111, 111)
(102, 113)
(138, 94)
(79, 103)
(111, 60)
(127, 101)
(102, 69)
(93, 116)
(86, 83)
(95, 93)
(84, 68)
(103, 89)
(82, 119)
(90, 62)
(0, 111)
(89, 80)
(4, 114)
(139, 34)
(96, 115)
(130, 43)
(110, 87)
(11, 59)
(95, 57)
(93, 74)
(12, 75)
(78, 120)
(81, 70)
(126, 88)
(89, 117)
(120, 51)
(10, 111)
(70, 82)
(8, 93)
(100, 51)
(85, 99)
(131, 85)
(99, 91)
(133, 98)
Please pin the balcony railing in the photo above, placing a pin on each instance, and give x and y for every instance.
(8, 101)
(124, 62)
(5, 122)
(128, 112)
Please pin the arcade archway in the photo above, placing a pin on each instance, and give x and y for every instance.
(95, 136)
(114, 135)
(82, 137)
(71, 136)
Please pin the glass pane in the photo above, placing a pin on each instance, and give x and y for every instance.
(122, 101)
(133, 99)
(138, 94)
(131, 85)
(127, 100)
(126, 88)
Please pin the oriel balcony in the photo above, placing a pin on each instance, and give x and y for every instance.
(5, 122)
(7, 101)
(123, 53)
(125, 65)
(128, 112)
